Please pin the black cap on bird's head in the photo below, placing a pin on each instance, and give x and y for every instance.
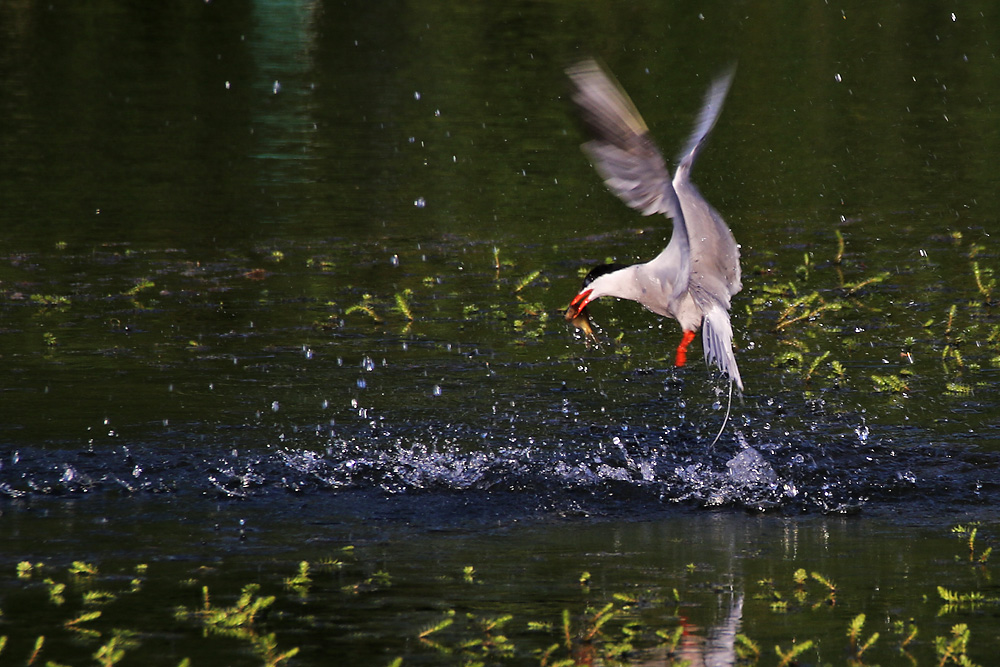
(577, 313)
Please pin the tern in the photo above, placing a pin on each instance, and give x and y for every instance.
(694, 277)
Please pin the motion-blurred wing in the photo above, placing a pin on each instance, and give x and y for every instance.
(629, 162)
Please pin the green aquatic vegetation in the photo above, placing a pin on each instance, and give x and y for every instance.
(969, 533)
(50, 300)
(892, 384)
(301, 582)
(140, 286)
(985, 282)
(25, 569)
(112, 651)
(366, 306)
(856, 645)
(907, 631)
(790, 657)
(955, 601)
(74, 624)
(487, 642)
(526, 280)
(378, 580)
(838, 258)
(55, 590)
(237, 620)
(78, 568)
(953, 650)
(403, 303)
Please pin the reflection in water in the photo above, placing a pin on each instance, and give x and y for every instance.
(714, 647)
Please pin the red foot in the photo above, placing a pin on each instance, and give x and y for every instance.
(682, 349)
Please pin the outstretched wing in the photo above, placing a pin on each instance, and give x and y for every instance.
(629, 162)
(715, 255)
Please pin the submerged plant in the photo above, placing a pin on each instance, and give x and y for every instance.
(856, 645)
(953, 650)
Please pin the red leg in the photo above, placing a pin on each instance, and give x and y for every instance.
(682, 349)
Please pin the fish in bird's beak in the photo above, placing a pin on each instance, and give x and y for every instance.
(578, 316)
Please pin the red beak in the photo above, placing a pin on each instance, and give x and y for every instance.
(578, 303)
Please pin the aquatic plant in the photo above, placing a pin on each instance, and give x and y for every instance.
(954, 650)
(790, 656)
(615, 628)
(856, 645)
(969, 532)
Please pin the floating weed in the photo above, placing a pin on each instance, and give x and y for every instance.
(852, 288)
(403, 303)
(140, 286)
(856, 646)
(56, 590)
(377, 580)
(366, 306)
(839, 257)
(112, 652)
(266, 647)
(790, 656)
(985, 282)
(815, 363)
(79, 568)
(958, 389)
(50, 300)
(301, 581)
(526, 280)
(954, 601)
(893, 384)
(26, 569)
(74, 624)
(953, 650)
(237, 620)
(969, 532)
(39, 643)
(747, 649)
(98, 597)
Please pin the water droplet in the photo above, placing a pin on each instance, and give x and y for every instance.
(368, 364)
(837, 78)
(420, 202)
(276, 88)
(275, 406)
(394, 260)
(416, 94)
(437, 390)
(362, 384)
(326, 404)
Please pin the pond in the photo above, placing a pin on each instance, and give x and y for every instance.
(281, 296)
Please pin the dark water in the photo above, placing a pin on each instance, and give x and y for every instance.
(285, 277)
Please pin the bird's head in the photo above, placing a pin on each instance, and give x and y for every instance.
(577, 313)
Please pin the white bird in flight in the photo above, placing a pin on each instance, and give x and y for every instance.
(694, 277)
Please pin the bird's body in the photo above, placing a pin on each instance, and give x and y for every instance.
(694, 277)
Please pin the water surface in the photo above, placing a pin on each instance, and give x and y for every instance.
(284, 278)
